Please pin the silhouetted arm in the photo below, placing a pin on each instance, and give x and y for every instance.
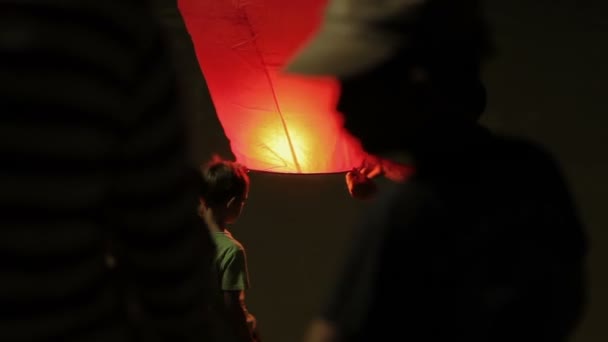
(234, 282)
(237, 314)
(373, 283)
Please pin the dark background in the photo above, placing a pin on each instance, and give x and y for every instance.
(548, 82)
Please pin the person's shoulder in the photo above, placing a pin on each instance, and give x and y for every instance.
(227, 243)
(524, 149)
(526, 158)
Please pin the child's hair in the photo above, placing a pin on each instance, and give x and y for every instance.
(221, 180)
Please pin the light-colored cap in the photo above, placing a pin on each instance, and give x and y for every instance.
(358, 35)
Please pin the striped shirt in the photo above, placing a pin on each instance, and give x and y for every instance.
(93, 159)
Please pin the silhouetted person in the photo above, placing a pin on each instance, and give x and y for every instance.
(99, 237)
(483, 242)
(223, 192)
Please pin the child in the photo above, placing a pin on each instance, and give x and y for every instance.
(223, 191)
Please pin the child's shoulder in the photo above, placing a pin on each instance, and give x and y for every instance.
(226, 242)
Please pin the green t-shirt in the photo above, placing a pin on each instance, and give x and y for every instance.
(232, 275)
(231, 263)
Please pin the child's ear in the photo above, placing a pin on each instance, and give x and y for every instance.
(231, 202)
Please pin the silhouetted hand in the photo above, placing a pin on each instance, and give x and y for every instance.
(256, 336)
(360, 185)
(321, 331)
(360, 180)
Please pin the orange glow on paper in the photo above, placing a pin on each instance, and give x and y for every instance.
(275, 122)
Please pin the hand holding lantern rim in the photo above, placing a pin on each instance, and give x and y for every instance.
(359, 180)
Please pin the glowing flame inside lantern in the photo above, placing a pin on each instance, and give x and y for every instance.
(275, 122)
(289, 150)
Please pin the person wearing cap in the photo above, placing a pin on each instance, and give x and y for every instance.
(483, 242)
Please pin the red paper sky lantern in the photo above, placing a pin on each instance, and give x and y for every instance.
(275, 122)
